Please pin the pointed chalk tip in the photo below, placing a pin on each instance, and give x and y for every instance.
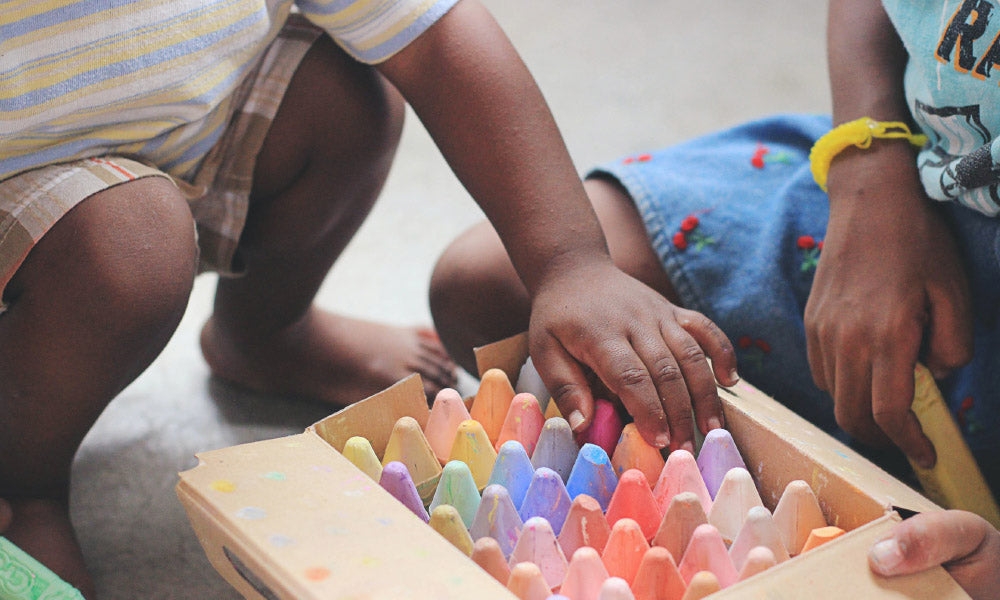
(702, 584)
(759, 559)
(527, 582)
(446, 520)
(359, 451)
(615, 588)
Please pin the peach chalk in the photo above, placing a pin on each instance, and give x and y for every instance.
(758, 560)
(585, 575)
(513, 470)
(538, 545)
(556, 448)
(624, 551)
(707, 552)
(523, 423)
(487, 554)
(632, 452)
(758, 530)
(717, 456)
(497, 518)
(684, 515)
(446, 521)
(736, 496)
(797, 514)
(658, 577)
(702, 584)
(822, 535)
(527, 582)
(528, 380)
(633, 499)
(408, 445)
(359, 451)
(447, 413)
(396, 480)
(605, 429)
(615, 588)
(680, 474)
(585, 525)
(457, 488)
(492, 402)
(473, 447)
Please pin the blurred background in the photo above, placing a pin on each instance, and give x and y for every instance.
(621, 77)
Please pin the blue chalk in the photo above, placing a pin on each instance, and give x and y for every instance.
(513, 470)
(546, 498)
(593, 475)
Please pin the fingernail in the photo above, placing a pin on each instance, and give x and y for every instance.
(886, 556)
(714, 423)
(663, 440)
(575, 419)
(734, 376)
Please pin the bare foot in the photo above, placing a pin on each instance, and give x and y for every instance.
(42, 529)
(328, 357)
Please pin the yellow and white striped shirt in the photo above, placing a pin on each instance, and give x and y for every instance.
(155, 78)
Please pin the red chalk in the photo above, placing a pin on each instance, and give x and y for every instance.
(634, 500)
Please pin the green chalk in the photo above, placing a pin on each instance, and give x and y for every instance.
(24, 578)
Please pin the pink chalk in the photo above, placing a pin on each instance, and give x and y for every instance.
(707, 552)
(523, 423)
(605, 429)
(680, 474)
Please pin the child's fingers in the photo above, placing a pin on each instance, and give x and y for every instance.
(670, 380)
(626, 375)
(714, 342)
(852, 377)
(892, 398)
(963, 542)
(702, 391)
(565, 380)
(950, 341)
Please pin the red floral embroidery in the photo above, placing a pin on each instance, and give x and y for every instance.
(762, 155)
(753, 351)
(810, 247)
(680, 241)
(745, 341)
(688, 234)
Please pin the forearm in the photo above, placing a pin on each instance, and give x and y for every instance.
(482, 107)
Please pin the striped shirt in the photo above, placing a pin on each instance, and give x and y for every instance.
(155, 78)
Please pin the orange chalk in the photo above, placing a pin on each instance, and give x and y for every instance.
(736, 496)
(552, 411)
(624, 551)
(658, 577)
(408, 445)
(684, 515)
(487, 554)
(585, 525)
(634, 500)
(822, 535)
(632, 452)
(702, 584)
(446, 521)
(758, 560)
(526, 582)
(680, 474)
(707, 552)
(447, 413)
(523, 423)
(797, 514)
(492, 402)
(585, 575)
(473, 447)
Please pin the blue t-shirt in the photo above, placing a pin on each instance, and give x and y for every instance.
(953, 92)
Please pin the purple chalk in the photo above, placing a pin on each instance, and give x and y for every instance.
(397, 481)
(497, 518)
(718, 454)
(512, 470)
(546, 498)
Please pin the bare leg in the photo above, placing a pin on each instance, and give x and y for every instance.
(477, 298)
(91, 307)
(322, 166)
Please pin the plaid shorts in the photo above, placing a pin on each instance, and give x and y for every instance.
(218, 194)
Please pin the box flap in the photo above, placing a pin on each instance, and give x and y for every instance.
(840, 570)
(369, 418)
(299, 521)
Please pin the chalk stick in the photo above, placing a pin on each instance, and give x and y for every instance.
(585, 525)
(497, 518)
(658, 577)
(633, 499)
(632, 452)
(473, 447)
(605, 428)
(457, 488)
(593, 475)
(395, 479)
(487, 554)
(758, 530)
(513, 470)
(680, 474)
(523, 422)
(797, 514)
(717, 456)
(546, 497)
(822, 535)
(527, 582)
(735, 497)
(538, 545)
(408, 445)
(707, 552)
(702, 584)
(447, 413)
(528, 380)
(624, 551)
(758, 560)
(492, 402)
(585, 575)
(446, 521)
(556, 448)
(684, 515)
(359, 451)
(615, 588)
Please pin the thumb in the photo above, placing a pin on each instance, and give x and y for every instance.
(567, 383)
(927, 540)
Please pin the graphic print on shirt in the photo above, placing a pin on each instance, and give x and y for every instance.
(967, 168)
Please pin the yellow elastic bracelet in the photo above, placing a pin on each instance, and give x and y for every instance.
(858, 133)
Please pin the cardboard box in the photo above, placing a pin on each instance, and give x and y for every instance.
(291, 518)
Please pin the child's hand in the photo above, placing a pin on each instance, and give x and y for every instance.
(890, 273)
(647, 351)
(963, 543)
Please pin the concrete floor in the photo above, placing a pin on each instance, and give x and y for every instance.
(621, 77)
